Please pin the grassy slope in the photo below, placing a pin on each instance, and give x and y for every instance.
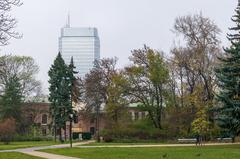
(16, 155)
(208, 152)
(16, 145)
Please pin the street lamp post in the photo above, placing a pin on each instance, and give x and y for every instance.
(70, 130)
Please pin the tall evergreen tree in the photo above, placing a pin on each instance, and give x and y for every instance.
(75, 86)
(73, 91)
(228, 75)
(60, 94)
(11, 101)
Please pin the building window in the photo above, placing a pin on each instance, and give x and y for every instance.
(132, 116)
(44, 119)
(44, 131)
(136, 116)
(92, 121)
(75, 119)
(92, 130)
(30, 118)
(143, 115)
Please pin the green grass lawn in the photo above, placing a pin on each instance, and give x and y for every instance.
(133, 142)
(115, 144)
(205, 152)
(25, 144)
(16, 155)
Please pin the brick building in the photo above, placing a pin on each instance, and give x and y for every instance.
(39, 114)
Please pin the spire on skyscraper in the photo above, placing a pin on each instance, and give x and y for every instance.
(68, 21)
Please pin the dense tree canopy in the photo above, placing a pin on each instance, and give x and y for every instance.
(148, 78)
(61, 82)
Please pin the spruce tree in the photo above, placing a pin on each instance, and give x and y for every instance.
(59, 94)
(11, 100)
(228, 75)
(75, 86)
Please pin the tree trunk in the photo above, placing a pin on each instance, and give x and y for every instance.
(55, 132)
(152, 118)
(233, 139)
(65, 132)
(60, 135)
(97, 124)
(70, 133)
(160, 106)
(181, 80)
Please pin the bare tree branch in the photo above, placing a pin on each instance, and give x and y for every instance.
(8, 23)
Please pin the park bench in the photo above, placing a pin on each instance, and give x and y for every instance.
(190, 140)
(226, 139)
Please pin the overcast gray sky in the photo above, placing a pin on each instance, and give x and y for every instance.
(123, 25)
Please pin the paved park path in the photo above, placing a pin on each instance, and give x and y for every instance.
(33, 151)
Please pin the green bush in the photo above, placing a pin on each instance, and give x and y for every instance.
(31, 138)
(141, 130)
(86, 136)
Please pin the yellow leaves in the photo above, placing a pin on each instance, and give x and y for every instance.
(200, 125)
(196, 98)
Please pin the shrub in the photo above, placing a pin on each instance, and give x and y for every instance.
(7, 130)
(19, 137)
(108, 138)
(86, 136)
(141, 130)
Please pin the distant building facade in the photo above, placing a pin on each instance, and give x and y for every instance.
(82, 44)
(38, 113)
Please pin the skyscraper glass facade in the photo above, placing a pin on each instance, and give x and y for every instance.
(83, 45)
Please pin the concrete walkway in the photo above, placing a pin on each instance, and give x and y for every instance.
(48, 155)
(33, 151)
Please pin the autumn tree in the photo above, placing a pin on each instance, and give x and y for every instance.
(94, 96)
(200, 124)
(202, 47)
(193, 65)
(96, 84)
(148, 78)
